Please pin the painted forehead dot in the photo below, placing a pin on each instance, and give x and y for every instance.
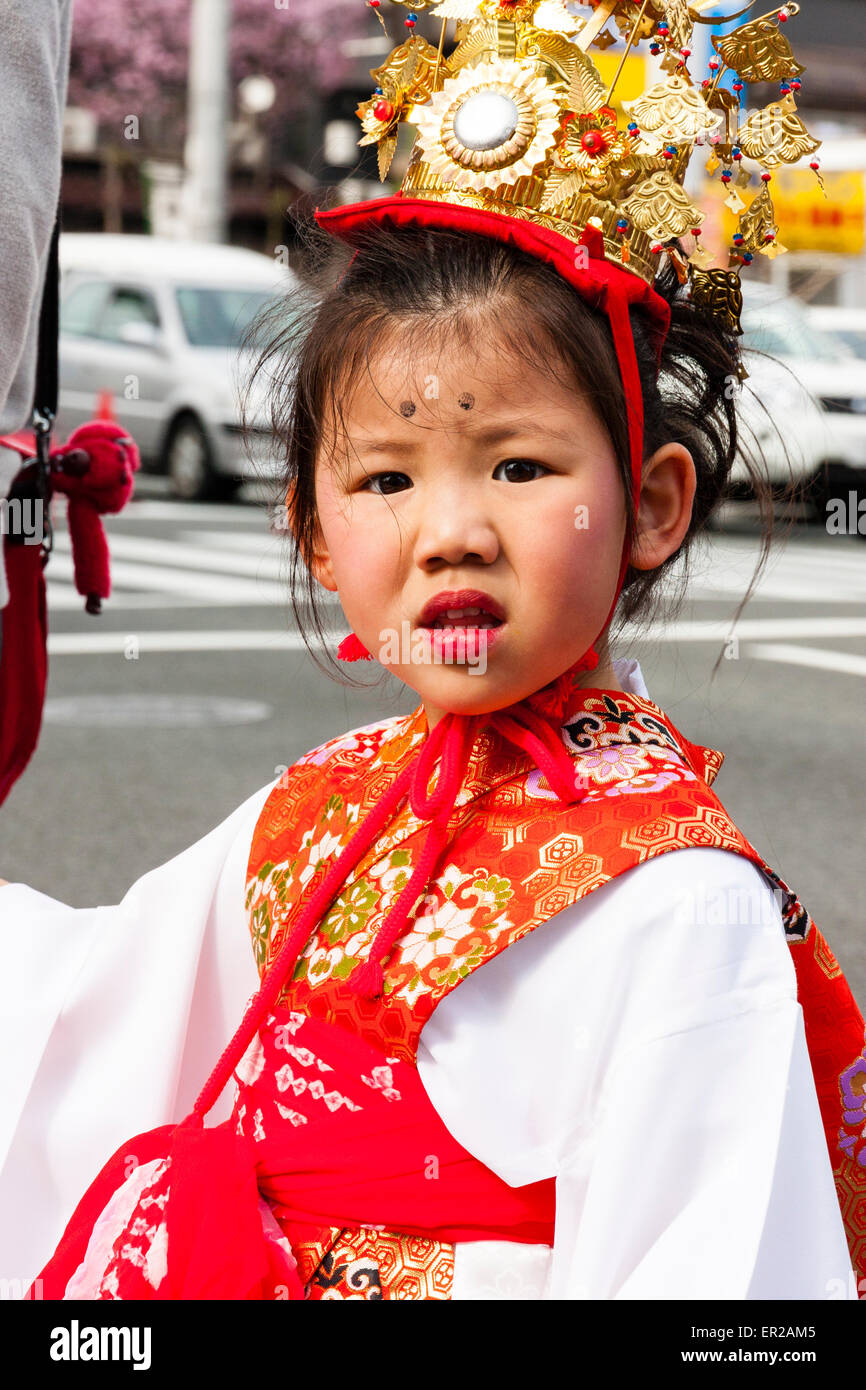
(466, 401)
(407, 408)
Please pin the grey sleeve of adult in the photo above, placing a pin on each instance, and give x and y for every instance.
(34, 65)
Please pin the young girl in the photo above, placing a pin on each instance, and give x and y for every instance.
(508, 1044)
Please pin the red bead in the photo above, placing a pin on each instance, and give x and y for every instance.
(783, 16)
(686, 52)
(593, 141)
(410, 23)
(814, 164)
(383, 110)
(765, 178)
(374, 4)
(656, 248)
(696, 231)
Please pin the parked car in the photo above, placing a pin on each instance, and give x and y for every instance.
(807, 396)
(849, 325)
(158, 323)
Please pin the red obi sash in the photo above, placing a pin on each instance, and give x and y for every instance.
(325, 1130)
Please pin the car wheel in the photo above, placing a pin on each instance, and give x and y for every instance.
(814, 493)
(189, 464)
(832, 484)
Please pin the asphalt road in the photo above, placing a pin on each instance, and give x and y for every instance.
(192, 690)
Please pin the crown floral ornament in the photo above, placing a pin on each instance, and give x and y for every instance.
(517, 120)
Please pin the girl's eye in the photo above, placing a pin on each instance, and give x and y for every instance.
(384, 483)
(520, 470)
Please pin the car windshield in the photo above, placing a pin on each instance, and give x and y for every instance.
(784, 330)
(855, 338)
(217, 317)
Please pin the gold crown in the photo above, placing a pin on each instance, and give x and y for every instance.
(517, 120)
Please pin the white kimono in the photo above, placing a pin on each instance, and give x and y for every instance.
(645, 1047)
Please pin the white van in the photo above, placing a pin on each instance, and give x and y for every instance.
(806, 395)
(158, 324)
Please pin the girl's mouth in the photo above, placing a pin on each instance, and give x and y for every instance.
(463, 625)
(465, 620)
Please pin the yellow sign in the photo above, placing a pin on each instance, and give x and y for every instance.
(631, 82)
(807, 221)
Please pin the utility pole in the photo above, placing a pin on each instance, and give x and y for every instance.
(205, 155)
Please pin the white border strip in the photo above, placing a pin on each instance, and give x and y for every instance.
(849, 663)
(272, 639)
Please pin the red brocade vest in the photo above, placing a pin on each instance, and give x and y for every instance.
(324, 1176)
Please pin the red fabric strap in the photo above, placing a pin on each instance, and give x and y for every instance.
(596, 283)
(23, 660)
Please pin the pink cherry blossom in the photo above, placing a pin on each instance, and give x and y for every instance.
(132, 59)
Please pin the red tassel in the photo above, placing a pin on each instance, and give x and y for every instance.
(369, 981)
(352, 649)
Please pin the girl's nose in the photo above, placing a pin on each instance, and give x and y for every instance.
(452, 532)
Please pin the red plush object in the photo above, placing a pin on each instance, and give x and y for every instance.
(105, 486)
(94, 468)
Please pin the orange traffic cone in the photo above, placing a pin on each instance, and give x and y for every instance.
(105, 407)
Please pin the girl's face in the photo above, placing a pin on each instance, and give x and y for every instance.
(477, 483)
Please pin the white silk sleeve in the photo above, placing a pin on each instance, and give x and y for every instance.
(707, 1174)
(111, 1020)
(645, 1048)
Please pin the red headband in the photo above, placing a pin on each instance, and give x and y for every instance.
(598, 281)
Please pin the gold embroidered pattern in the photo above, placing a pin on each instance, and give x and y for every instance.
(372, 1265)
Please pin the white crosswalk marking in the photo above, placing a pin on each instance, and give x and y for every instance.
(213, 568)
(203, 584)
(244, 564)
(271, 640)
(796, 573)
(247, 542)
(255, 558)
